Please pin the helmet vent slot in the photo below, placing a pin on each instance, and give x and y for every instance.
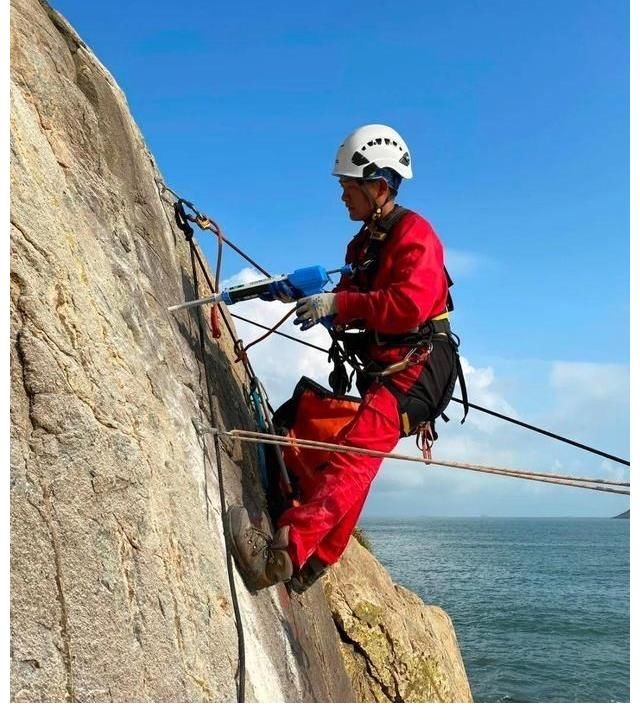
(358, 159)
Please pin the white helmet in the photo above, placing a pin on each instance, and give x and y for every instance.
(371, 148)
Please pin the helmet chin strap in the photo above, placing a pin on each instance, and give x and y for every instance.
(377, 210)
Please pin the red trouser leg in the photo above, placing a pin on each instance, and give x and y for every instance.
(324, 521)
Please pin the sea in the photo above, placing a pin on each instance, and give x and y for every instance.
(540, 606)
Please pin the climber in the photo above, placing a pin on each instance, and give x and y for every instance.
(398, 295)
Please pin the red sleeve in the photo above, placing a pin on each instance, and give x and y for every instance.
(413, 288)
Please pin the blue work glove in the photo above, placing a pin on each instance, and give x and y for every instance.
(280, 290)
(317, 308)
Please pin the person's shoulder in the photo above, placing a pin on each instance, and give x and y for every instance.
(416, 223)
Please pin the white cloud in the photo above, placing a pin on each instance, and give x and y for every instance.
(462, 264)
(485, 392)
(589, 380)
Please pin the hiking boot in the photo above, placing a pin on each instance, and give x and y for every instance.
(262, 559)
(311, 572)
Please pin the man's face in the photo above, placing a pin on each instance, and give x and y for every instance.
(355, 199)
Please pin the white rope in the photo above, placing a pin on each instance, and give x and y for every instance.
(601, 485)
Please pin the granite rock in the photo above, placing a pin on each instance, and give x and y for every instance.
(396, 649)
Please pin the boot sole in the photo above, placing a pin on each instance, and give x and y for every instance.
(299, 586)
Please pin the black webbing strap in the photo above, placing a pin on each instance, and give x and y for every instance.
(386, 223)
(450, 306)
(454, 340)
(378, 232)
(463, 387)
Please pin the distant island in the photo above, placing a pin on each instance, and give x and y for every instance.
(622, 516)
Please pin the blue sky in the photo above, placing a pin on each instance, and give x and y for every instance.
(517, 118)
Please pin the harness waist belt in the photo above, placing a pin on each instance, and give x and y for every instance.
(437, 325)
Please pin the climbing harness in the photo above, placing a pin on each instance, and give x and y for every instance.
(418, 411)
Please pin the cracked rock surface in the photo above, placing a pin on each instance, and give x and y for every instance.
(396, 649)
(119, 587)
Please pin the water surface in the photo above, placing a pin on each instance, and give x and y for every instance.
(540, 606)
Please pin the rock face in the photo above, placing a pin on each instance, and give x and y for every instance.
(119, 587)
(395, 648)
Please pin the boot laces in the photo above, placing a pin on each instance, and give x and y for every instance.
(256, 536)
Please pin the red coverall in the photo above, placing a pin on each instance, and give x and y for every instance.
(409, 287)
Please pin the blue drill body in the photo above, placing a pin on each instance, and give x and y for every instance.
(302, 282)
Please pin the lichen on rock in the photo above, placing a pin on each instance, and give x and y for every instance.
(395, 648)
